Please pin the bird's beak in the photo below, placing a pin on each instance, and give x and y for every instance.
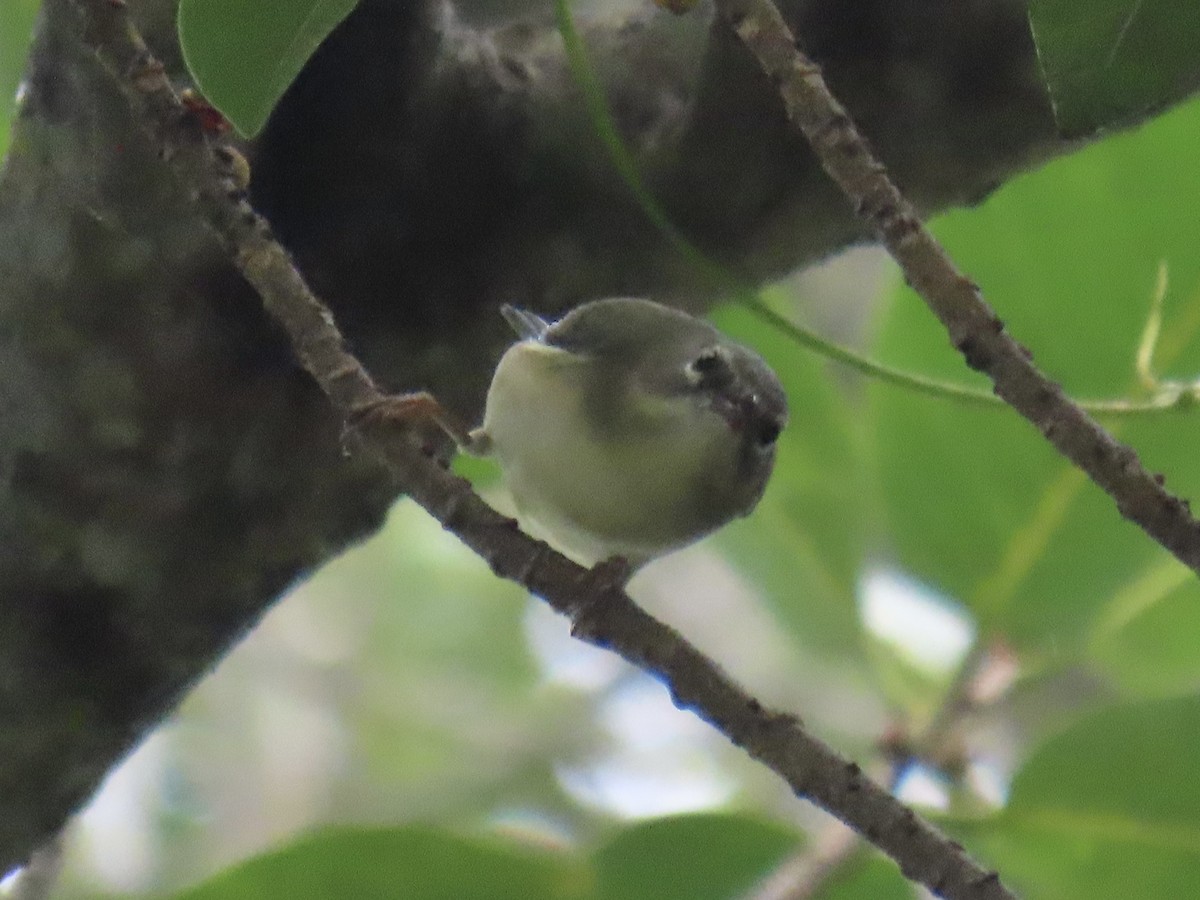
(747, 412)
(736, 409)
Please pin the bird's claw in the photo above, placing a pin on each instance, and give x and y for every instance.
(612, 573)
(605, 578)
(419, 411)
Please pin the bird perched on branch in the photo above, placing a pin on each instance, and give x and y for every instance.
(626, 429)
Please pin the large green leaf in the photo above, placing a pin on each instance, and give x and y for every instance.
(804, 543)
(696, 857)
(1108, 61)
(1108, 809)
(693, 857)
(244, 55)
(978, 503)
(716, 856)
(1146, 635)
(334, 864)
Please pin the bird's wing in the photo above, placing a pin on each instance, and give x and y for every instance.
(527, 325)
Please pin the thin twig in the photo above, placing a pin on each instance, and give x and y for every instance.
(600, 612)
(835, 850)
(804, 874)
(973, 327)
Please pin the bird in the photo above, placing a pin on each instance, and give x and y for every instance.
(627, 429)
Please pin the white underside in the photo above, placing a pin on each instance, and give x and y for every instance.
(596, 496)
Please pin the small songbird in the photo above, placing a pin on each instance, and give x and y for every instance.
(627, 429)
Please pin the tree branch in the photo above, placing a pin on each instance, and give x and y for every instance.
(601, 613)
(808, 872)
(973, 327)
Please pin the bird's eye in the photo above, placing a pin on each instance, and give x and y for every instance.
(707, 364)
(766, 431)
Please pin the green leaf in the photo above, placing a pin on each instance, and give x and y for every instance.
(805, 543)
(1108, 809)
(16, 26)
(398, 862)
(978, 503)
(1146, 636)
(873, 878)
(1109, 61)
(244, 55)
(695, 857)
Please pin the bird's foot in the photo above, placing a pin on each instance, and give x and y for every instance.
(413, 411)
(605, 578)
(611, 573)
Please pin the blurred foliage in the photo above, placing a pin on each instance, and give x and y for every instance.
(1112, 61)
(1108, 808)
(703, 857)
(689, 858)
(401, 862)
(807, 540)
(975, 501)
(977, 504)
(867, 878)
(16, 26)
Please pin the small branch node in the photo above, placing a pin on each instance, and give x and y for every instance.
(455, 509)
(146, 73)
(974, 353)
